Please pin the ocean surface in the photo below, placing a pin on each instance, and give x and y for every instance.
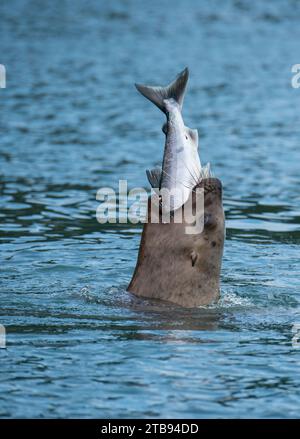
(71, 122)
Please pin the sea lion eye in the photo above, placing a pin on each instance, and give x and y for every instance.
(209, 221)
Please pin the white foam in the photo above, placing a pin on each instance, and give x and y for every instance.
(230, 300)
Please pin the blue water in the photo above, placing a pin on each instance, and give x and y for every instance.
(71, 122)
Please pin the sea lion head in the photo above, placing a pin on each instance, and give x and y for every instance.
(180, 267)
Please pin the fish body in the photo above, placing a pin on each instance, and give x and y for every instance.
(181, 168)
(181, 163)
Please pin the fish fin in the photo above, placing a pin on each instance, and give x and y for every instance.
(175, 90)
(154, 177)
(193, 133)
(164, 128)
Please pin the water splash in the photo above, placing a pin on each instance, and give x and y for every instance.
(231, 300)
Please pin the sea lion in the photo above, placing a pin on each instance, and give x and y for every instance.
(172, 264)
(179, 267)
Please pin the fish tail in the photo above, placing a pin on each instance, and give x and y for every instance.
(175, 90)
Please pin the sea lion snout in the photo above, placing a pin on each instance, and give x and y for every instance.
(211, 184)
